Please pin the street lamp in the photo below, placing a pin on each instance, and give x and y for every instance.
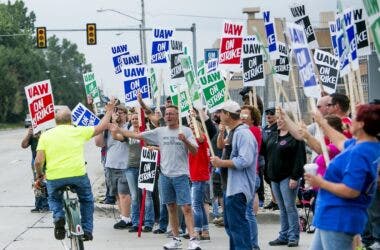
(141, 26)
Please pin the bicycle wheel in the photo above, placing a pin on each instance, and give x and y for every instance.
(76, 242)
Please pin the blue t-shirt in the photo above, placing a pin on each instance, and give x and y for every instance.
(356, 167)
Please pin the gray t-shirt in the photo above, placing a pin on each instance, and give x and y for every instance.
(134, 153)
(174, 153)
(117, 153)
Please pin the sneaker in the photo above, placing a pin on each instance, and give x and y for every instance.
(158, 231)
(147, 229)
(194, 244)
(175, 243)
(205, 235)
(185, 236)
(35, 210)
(133, 229)
(270, 205)
(87, 236)
(122, 225)
(59, 229)
(278, 242)
(293, 243)
(311, 230)
(109, 202)
(217, 220)
(375, 246)
(275, 207)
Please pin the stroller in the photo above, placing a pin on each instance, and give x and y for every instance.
(307, 198)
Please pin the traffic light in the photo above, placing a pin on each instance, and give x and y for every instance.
(91, 33)
(41, 37)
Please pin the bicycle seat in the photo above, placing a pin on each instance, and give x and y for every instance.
(70, 188)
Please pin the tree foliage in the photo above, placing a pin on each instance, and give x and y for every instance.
(21, 64)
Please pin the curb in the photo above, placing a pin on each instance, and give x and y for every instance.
(263, 216)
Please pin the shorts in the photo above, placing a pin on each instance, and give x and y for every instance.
(217, 185)
(122, 185)
(116, 181)
(174, 190)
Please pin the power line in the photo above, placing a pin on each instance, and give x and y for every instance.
(9, 35)
(197, 16)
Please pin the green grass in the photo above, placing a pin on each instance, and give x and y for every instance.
(4, 126)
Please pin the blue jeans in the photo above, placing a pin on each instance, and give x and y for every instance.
(132, 174)
(82, 187)
(330, 240)
(198, 190)
(235, 222)
(251, 217)
(286, 200)
(372, 229)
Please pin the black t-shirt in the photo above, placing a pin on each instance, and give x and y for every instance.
(286, 157)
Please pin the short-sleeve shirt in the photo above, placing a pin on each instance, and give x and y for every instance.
(356, 167)
(64, 148)
(117, 152)
(134, 153)
(174, 153)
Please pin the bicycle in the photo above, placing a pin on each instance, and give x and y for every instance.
(73, 219)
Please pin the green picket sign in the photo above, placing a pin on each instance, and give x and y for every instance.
(201, 68)
(92, 90)
(188, 69)
(214, 95)
(184, 103)
(373, 9)
(153, 81)
(213, 88)
(375, 29)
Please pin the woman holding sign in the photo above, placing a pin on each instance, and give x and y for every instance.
(348, 186)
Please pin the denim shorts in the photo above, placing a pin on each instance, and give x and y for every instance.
(175, 189)
(116, 181)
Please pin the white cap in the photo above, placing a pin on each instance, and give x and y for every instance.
(231, 106)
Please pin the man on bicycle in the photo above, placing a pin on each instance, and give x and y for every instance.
(62, 149)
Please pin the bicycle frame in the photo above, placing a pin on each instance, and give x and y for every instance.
(75, 232)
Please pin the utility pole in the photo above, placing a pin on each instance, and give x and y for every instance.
(144, 56)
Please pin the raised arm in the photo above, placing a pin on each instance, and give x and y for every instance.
(117, 132)
(289, 125)
(25, 143)
(335, 136)
(311, 141)
(104, 122)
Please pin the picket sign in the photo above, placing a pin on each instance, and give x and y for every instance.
(82, 116)
(372, 8)
(297, 115)
(193, 119)
(300, 17)
(41, 105)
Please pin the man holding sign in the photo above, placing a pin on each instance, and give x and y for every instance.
(174, 142)
(62, 149)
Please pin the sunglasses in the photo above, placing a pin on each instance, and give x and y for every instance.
(270, 112)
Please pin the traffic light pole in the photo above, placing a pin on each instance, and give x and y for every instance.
(142, 29)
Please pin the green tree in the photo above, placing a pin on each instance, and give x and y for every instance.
(21, 63)
(65, 67)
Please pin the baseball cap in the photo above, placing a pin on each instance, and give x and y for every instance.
(271, 111)
(231, 107)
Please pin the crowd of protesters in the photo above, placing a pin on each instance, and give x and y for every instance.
(243, 154)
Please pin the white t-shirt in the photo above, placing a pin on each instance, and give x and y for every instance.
(174, 153)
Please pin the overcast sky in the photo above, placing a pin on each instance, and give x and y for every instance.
(62, 14)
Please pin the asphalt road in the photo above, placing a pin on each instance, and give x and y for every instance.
(20, 229)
